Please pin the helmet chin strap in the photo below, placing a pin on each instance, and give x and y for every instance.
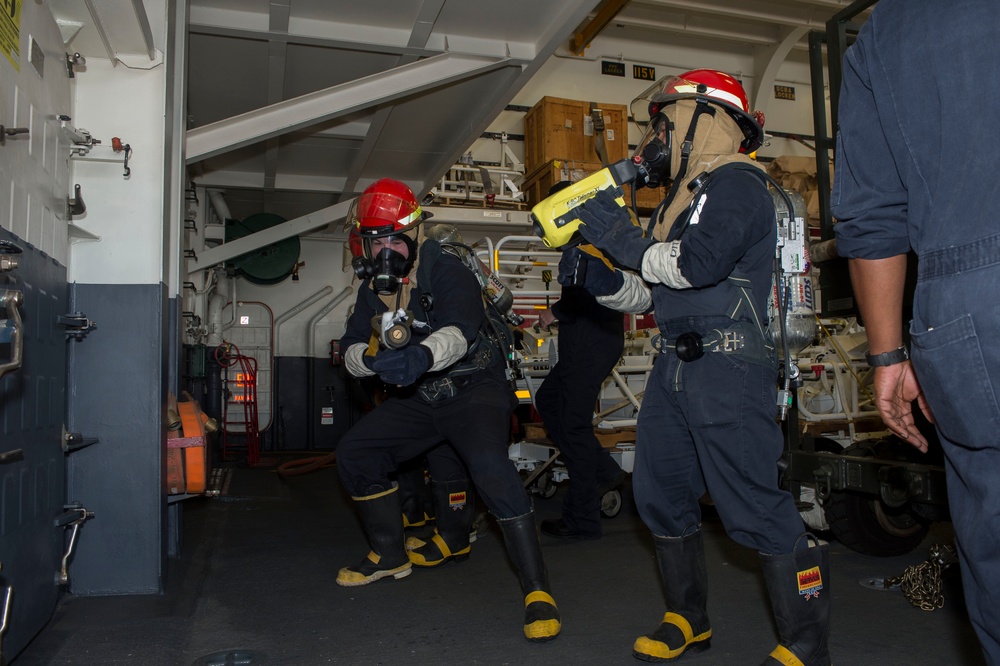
(702, 107)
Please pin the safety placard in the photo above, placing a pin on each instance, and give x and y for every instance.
(10, 31)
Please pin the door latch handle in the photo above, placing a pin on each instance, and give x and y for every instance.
(8, 263)
(12, 330)
(12, 456)
(74, 516)
(5, 604)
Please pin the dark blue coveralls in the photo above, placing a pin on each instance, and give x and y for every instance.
(710, 424)
(475, 421)
(918, 167)
(591, 339)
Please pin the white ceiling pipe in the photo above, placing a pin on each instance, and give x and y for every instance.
(311, 330)
(294, 311)
(216, 304)
(219, 205)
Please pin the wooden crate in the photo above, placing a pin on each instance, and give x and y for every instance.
(562, 129)
(646, 199)
(535, 431)
(612, 437)
(537, 183)
(609, 438)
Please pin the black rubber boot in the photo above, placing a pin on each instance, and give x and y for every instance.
(799, 586)
(541, 616)
(685, 626)
(455, 509)
(415, 496)
(379, 514)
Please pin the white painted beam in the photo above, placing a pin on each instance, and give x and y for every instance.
(290, 115)
(751, 10)
(319, 219)
(767, 62)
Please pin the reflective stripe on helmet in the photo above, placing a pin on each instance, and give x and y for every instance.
(715, 93)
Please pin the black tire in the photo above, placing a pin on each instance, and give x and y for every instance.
(611, 503)
(865, 524)
(544, 487)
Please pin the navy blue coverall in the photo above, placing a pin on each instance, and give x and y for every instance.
(710, 424)
(591, 339)
(475, 422)
(917, 167)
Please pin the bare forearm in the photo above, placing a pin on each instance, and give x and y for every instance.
(878, 289)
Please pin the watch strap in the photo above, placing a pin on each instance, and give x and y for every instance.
(893, 357)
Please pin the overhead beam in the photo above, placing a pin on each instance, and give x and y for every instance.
(748, 10)
(305, 40)
(767, 62)
(557, 31)
(277, 52)
(144, 27)
(284, 182)
(689, 30)
(583, 37)
(290, 115)
(423, 27)
(319, 219)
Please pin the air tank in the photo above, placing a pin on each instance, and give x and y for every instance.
(795, 283)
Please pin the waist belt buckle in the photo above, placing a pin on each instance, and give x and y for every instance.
(439, 389)
(732, 341)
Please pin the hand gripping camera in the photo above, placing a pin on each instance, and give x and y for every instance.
(555, 220)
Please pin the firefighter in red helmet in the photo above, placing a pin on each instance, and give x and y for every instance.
(448, 384)
(708, 420)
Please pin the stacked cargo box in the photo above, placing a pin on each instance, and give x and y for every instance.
(560, 143)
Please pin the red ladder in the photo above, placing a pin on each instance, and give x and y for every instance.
(239, 390)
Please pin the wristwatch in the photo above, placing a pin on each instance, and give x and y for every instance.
(893, 357)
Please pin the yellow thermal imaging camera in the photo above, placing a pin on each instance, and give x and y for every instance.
(555, 220)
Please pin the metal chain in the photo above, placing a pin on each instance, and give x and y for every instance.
(921, 583)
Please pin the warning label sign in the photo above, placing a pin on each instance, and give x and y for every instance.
(10, 31)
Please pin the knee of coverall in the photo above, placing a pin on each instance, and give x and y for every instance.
(500, 487)
(363, 470)
(547, 397)
(444, 464)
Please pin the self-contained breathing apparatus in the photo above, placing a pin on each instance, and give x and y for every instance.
(556, 220)
(788, 260)
(495, 333)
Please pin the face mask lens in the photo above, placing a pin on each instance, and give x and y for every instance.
(389, 266)
(654, 149)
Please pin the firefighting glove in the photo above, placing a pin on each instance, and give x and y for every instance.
(579, 269)
(608, 226)
(403, 367)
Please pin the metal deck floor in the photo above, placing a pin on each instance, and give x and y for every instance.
(255, 585)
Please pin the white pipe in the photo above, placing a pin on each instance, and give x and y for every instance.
(294, 311)
(224, 282)
(554, 262)
(623, 387)
(216, 302)
(220, 205)
(537, 293)
(311, 330)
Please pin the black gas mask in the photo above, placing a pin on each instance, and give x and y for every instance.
(387, 270)
(655, 150)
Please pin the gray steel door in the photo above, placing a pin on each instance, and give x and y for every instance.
(32, 464)
(34, 185)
